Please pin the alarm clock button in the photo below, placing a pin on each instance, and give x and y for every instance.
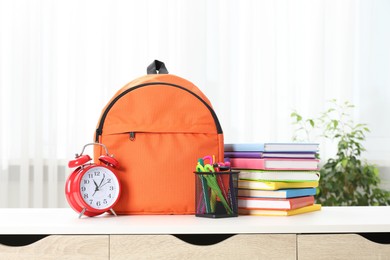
(109, 160)
(79, 161)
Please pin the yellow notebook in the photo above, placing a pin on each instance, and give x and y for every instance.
(267, 212)
(275, 185)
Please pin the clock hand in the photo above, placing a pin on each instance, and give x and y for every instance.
(97, 187)
(102, 180)
(104, 184)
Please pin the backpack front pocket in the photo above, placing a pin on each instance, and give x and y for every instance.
(156, 170)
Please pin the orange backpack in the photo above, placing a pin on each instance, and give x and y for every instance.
(157, 126)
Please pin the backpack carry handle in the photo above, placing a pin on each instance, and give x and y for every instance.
(157, 67)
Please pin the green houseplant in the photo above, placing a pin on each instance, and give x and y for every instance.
(346, 179)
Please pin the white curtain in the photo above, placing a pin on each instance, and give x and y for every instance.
(61, 61)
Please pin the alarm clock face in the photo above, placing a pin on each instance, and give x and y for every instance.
(99, 188)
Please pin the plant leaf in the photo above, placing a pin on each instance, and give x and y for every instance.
(335, 123)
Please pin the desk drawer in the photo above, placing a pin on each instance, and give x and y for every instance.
(60, 247)
(340, 246)
(171, 247)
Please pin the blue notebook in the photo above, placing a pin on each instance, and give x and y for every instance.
(284, 193)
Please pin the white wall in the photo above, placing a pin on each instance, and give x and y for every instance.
(61, 61)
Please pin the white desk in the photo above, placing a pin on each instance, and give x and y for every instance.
(66, 221)
(331, 231)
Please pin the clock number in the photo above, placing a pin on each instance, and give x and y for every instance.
(108, 180)
(111, 187)
(110, 195)
(90, 202)
(97, 173)
(98, 203)
(105, 201)
(90, 175)
(83, 189)
(85, 195)
(86, 181)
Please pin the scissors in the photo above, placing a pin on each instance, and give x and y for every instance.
(212, 200)
(200, 167)
(221, 166)
(204, 168)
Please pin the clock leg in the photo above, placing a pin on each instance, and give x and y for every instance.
(82, 212)
(113, 212)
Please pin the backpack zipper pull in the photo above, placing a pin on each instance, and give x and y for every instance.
(132, 136)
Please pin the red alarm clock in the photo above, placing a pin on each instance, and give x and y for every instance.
(92, 189)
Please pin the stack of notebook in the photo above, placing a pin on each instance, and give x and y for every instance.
(275, 178)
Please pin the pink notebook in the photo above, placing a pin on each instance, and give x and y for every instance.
(267, 203)
(274, 164)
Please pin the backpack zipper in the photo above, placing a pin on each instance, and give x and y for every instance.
(132, 136)
(99, 130)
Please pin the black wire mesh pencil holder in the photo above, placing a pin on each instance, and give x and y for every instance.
(216, 194)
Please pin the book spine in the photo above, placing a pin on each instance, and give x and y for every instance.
(242, 163)
(244, 154)
(301, 202)
(250, 147)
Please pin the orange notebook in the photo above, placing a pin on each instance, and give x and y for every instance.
(275, 203)
(272, 212)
